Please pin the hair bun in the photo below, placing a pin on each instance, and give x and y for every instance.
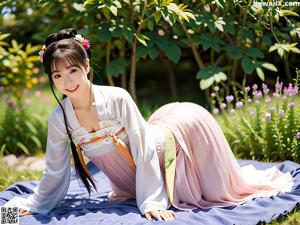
(60, 35)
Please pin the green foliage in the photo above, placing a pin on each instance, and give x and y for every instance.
(263, 127)
(22, 132)
(17, 66)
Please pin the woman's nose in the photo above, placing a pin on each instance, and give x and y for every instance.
(68, 80)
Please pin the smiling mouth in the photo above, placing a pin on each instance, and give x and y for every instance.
(72, 90)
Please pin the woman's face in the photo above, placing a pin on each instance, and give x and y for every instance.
(71, 80)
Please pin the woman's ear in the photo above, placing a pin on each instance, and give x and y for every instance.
(87, 66)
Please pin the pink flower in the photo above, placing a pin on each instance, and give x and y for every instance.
(223, 105)
(46, 101)
(27, 101)
(26, 91)
(254, 87)
(298, 134)
(268, 99)
(258, 94)
(232, 111)
(247, 89)
(216, 111)
(281, 112)
(1, 88)
(268, 116)
(272, 108)
(86, 44)
(278, 85)
(5, 96)
(10, 104)
(239, 104)
(251, 113)
(291, 105)
(38, 93)
(276, 95)
(229, 98)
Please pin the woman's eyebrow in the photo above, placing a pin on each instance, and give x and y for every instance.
(68, 67)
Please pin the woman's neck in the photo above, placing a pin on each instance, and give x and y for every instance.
(85, 101)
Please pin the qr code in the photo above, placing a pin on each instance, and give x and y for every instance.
(9, 216)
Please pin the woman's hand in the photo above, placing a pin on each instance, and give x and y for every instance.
(24, 212)
(161, 215)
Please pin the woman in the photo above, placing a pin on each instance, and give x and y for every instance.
(180, 157)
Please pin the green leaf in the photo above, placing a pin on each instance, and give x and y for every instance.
(295, 50)
(141, 52)
(103, 33)
(206, 83)
(269, 66)
(142, 38)
(288, 12)
(157, 16)
(153, 53)
(36, 141)
(233, 51)
(3, 36)
(23, 147)
(247, 66)
(260, 73)
(255, 53)
(150, 25)
(113, 9)
(173, 52)
(116, 67)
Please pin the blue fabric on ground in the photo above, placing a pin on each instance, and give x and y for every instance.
(78, 209)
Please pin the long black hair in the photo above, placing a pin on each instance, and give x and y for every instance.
(62, 46)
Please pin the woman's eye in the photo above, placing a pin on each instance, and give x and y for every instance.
(56, 76)
(73, 70)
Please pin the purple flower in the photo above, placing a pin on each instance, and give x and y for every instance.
(10, 104)
(291, 105)
(232, 111)
(268, 116)
(239, 104)
(272, 108)
(251, 113)
(223, 105)
(1, 88)
(267, 99)
(254, 87)
(264, 86)
(281, 112)
(278, 85)
(298, 134)
(216, 111)
(229, 98)
(258, 94)
(247, 89)
(276, 94)
(5, 96)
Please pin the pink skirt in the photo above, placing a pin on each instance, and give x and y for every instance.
(207, 173)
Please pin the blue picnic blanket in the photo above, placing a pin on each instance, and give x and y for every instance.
(78, 209)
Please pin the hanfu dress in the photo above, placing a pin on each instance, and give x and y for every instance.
(206, 173)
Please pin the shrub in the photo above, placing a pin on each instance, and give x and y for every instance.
(259, 125)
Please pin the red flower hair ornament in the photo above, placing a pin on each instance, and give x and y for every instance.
(78, 37)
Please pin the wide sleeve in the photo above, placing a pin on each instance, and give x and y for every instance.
(150, 191)
(56, 176)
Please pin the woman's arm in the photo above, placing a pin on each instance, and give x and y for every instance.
(150, 191)
(56, 176)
